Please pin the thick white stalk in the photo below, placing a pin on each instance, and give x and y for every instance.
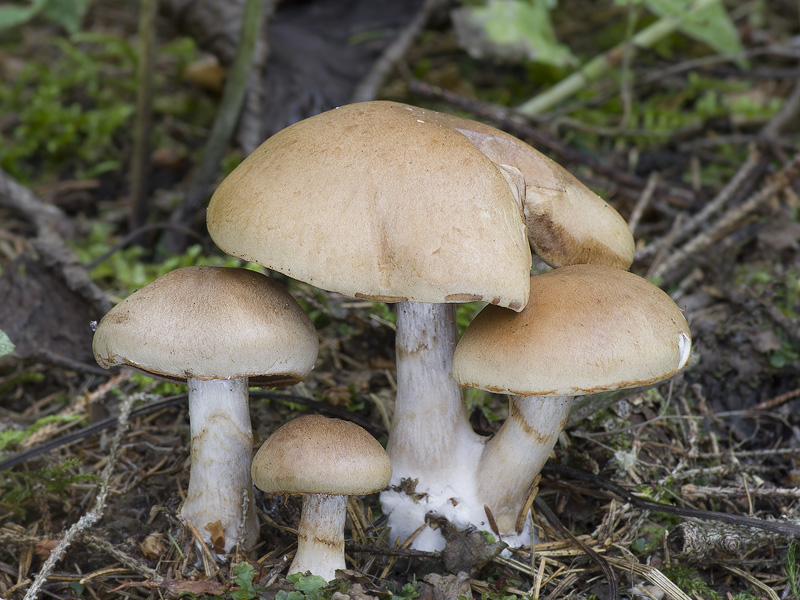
(222, 449)
(430, 421)
(320, 536)
(517, 453)
(431, 440)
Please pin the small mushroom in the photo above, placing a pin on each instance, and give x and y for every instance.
(219, 330)
(326, 460)
(586, 329)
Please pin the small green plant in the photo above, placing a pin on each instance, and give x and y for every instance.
(129, 269)
(11, 437)
(689, 581)
(792, 570)
(68, 114)
(409, 591)
(19, 486)
(306, 587)
(66, 13)
(243, 577)
(6, 345)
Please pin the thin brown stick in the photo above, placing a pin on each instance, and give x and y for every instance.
(706, 238)
(368, 87)
(49, 222)
(613, 585)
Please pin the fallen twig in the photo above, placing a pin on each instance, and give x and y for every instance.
(781, 527)
(224, 124)
(599, 65)
(503, 118)
(96, 513)
(368, 87)
(49, 243)
(706, 238)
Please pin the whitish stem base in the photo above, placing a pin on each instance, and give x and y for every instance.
(430, 411)
(222, 449)
(320, 536)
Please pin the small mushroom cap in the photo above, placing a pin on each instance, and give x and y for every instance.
(567, 222)
(318, 455)
(586, 329)
(210, 323)
(372, 201)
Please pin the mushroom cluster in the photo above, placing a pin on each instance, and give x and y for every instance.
(395, 203)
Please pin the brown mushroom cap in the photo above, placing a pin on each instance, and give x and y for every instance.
(586, 329)
(210, 323)
(567, 222)
(372, 201)
(318, 455)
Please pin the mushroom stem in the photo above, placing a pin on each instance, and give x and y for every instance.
(222, 449)
(430, 427)
(431, 440)
(320, 536)
(517, 453)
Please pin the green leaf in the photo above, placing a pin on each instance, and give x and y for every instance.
(310, 585)
(12, 16)
(711, 25)
(520, 29)
(67, 13)
(6, 345)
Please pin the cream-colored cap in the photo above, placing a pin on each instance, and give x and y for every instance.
(586, 329)
(373, 201)
(210, 323)
(567, 222)
(318, 455)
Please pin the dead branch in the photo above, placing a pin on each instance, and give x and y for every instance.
(709, 236)
(49, 242)
(368, 87)
(96, 513)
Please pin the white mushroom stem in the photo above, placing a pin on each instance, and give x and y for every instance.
(222, 449)
(517, 453)
(320, 536)
(431, 440)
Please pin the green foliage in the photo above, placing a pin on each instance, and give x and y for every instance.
(792, 570)
(6, 345)
(243, 577)
(11, 437)
(18, 486)
(66, 13)
(128, 269)
(688, 580)
(156, 387)
(523, 25)
(306, 587)
(711, 25)
(22, 378)
(663, 115)
(781, 288)
(409, 591)
(68, 113)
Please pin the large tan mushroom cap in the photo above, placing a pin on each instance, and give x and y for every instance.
(567, 222)
(372, 201)
(317, 455)
(585, 329)
(210, 323)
